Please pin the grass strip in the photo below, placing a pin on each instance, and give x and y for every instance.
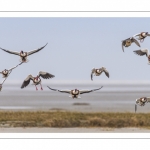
(73, 119)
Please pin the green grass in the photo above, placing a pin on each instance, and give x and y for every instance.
(73, 119)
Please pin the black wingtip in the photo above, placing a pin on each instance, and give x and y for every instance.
(45, 44)
(48, 87)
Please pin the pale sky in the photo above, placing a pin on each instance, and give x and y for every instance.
(75, 46)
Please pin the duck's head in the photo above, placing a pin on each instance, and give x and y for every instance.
(37, 77)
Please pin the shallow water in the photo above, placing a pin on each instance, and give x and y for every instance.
(114, 98)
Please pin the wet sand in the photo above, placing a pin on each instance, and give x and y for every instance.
(101, 101)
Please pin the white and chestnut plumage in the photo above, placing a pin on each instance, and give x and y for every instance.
(141, 101)
(6, 72)
(75, 93)
(143, 52)
(37, 80)
(128, 42)
(23, 55)
(98, 72)
(141, 36)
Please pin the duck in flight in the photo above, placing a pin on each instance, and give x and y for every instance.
(23, 55)
(36, 80)
(141, 36)
(5, 73)
(142, 53)
(141, 101)
(75, 93)
(128, 42)
(98, 72)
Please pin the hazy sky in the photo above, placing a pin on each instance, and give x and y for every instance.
(75, 46)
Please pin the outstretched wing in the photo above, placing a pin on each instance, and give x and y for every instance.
(123, 45)
(148, 99)
(88, 91)
(135, 41)
(141, 52)
(27, 81)
(3, 81)
(15, 66)
(11, 52)
(106, 73)
(136, 34)
(46, 75)
(36, 50)
(92, 73)
(63, 91)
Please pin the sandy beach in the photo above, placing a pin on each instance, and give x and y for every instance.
(74, 130)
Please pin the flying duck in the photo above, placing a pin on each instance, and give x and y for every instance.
(5, 73)
(36, 80)
(128, 42)
(23, 55)
(142, 36)
(75, 93)
(98, 72)
(141, 101)
(143, 52)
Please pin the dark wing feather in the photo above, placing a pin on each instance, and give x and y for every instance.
(26, 81)
(141, 52)
(11, 52)
(136, 42)
(88, 91)
(15, 66)
(106, 73)
(36, 50)
(63, 91)
(46, 75)
(91, 76)
(123, 42)
(93, 70)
